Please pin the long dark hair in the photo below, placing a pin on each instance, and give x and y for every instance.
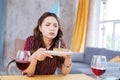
(38, 34)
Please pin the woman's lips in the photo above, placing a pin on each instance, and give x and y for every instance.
(51, 33)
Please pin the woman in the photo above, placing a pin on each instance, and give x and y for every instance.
(47, 35)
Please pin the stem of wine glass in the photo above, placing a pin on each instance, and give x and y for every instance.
(97, 77)
(21, 72)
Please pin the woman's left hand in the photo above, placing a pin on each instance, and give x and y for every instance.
(67, 60)
(67, 57)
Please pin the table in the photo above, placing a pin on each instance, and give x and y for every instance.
(49, 77)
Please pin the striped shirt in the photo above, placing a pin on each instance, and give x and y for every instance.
(49, 65)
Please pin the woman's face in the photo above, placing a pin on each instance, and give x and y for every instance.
(49, 27)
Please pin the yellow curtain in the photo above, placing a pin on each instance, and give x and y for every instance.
(79, 33)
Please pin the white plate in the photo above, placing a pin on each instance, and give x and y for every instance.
(58, 53)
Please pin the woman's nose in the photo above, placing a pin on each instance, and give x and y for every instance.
(52, 27)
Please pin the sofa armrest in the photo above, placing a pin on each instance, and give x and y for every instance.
(77, 57)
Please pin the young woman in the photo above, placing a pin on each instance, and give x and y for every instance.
(47, 35)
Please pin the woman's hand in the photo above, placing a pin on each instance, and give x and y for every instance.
(40, 55)
(67, 61)
(66, 67)
(67, 57)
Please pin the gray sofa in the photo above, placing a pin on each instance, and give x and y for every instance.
(81, 61)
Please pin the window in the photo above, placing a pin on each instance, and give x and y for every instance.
(109, 25)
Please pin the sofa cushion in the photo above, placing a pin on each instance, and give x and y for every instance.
(90, 51)
(77, 57)
(113, 68)
(78, 68)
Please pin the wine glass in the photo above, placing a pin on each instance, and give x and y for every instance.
(22, 60)
(98, 65)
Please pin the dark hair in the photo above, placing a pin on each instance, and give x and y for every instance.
(38, 34)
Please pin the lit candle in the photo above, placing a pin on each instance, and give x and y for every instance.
(59, 44)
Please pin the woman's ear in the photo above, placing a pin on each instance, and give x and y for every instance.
(40, 28)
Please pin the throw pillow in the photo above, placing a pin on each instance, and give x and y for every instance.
(115, 59)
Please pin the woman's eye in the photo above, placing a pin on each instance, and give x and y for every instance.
(55, 25)
(47, 24)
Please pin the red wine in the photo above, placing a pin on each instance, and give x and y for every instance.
(98, 71)
(22, 65)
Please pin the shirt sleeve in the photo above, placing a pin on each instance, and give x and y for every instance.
(29, 43)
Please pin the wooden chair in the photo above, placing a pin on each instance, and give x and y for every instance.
(19, 45)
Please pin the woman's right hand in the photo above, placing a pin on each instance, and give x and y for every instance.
(40, 55)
